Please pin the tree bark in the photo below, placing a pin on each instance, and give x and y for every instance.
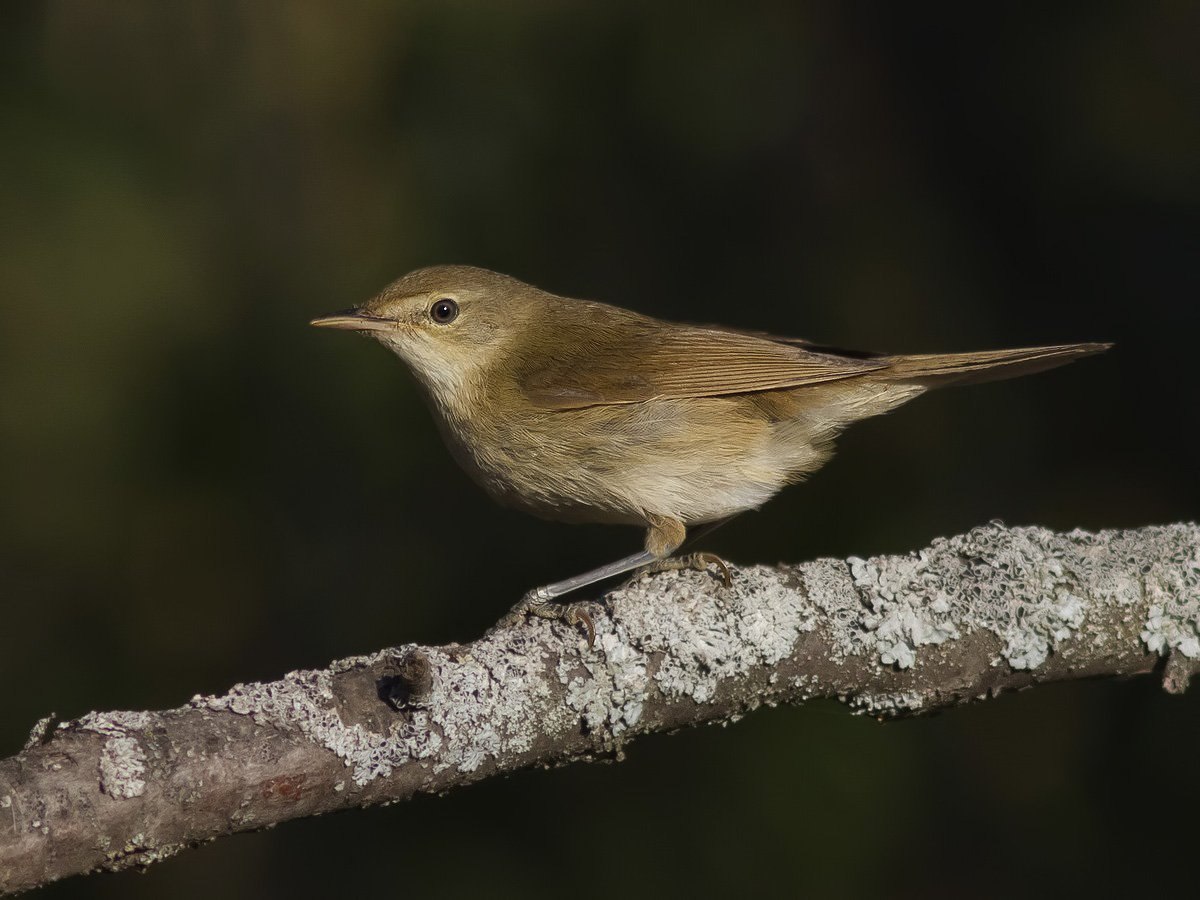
(961, 620)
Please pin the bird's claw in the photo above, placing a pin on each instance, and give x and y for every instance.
(699, 561)
(535, 603)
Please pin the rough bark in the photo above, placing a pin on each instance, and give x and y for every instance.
(963, 619)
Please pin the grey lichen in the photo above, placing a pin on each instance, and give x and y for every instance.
(122, 768)
(706, 635)
(138, 852)
(1172, 586)
(1024, 585)
(484, 704)
(607, 688)
(680, 635)
(481, 706)
(116, 723)
(123, 764)
(41, 731)
(303, 701)
(887, 704)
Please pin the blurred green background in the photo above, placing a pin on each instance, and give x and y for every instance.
(197, 489)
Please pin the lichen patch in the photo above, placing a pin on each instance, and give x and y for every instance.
(122, 768)
(704, 635)
(1172, 588)
(480, 707)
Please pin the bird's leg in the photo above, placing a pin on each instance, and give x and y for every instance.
(699, 561)
(540, 601)
(664, 535)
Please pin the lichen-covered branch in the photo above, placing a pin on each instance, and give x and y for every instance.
(967, 617)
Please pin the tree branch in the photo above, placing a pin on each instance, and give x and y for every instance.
(964, 619)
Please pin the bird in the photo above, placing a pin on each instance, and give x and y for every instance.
(581, 411)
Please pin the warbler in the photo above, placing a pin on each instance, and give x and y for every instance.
(585, 412)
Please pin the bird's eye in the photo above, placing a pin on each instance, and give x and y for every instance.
(444, 311)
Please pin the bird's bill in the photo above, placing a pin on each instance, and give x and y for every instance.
(353, 320)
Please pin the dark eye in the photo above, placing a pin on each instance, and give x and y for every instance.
(444, 311)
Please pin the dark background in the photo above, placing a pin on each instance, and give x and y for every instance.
(197, 489)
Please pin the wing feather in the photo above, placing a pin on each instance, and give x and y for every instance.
(644, 359)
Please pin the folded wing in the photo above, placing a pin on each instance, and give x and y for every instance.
(640, 362)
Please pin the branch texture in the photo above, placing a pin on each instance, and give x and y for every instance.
(963, 619)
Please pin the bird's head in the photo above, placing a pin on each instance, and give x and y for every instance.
(448, 323)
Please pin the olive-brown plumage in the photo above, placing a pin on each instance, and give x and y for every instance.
(581, 411)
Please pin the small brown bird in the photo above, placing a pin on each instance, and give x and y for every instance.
(585, 412)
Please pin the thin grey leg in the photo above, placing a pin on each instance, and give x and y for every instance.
(620, 567)
(540, 601)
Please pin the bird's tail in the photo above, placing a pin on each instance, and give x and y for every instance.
(937, 369)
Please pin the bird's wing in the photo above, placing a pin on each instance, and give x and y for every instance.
(644, 361)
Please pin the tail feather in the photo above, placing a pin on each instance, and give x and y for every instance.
(989, 365)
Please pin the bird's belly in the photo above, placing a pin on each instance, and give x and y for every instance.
(686, 459)
(699, 494)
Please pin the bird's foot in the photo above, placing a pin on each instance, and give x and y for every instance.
(698, 561)
(539, 604)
